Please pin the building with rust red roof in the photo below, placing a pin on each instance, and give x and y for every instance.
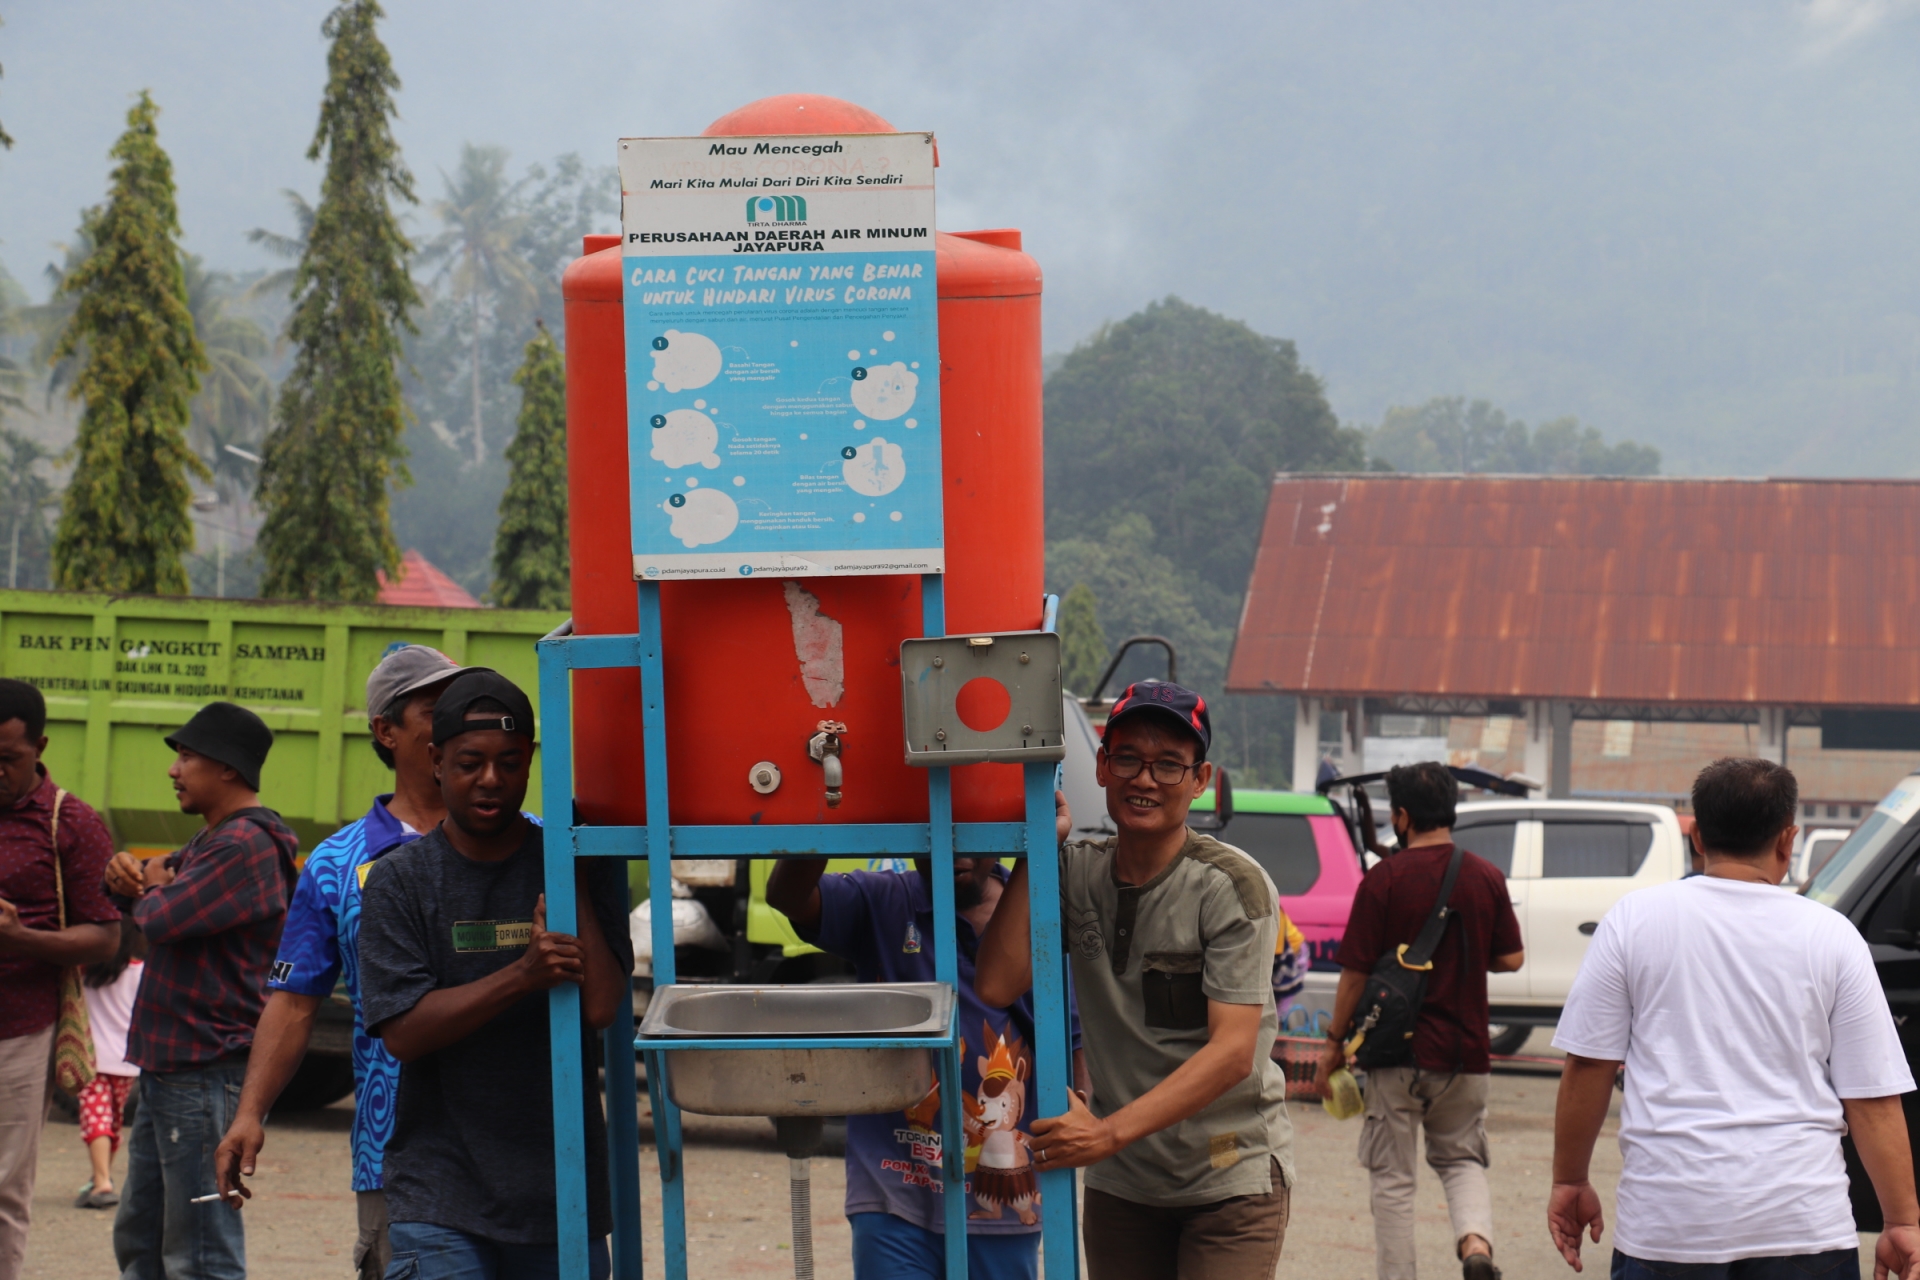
(1787, 612)
(422, 583)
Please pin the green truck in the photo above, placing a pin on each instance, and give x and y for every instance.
(119, 671)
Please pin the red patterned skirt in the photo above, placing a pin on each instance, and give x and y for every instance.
(102, 1103)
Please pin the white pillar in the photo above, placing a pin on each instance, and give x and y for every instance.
(1537, 762)
(1772, 738)
(1560, 780)
(1306, 742)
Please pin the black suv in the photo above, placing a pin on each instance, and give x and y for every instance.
(1874, 880)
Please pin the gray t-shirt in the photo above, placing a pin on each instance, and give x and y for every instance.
(472, 1145)
(1146, 959)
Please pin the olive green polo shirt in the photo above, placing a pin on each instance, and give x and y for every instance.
(1146, 959)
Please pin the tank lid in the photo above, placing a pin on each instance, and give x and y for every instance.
(970, 266)
(797, 113)
(1001, 237)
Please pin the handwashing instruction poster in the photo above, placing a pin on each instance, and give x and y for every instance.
(783, 355)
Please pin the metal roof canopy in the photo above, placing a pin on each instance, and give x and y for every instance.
(1644, 599)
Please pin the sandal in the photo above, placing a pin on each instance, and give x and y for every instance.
(91, 1199)
(1478, 1266)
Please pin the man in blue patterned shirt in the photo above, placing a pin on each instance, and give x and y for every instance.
(320, 946)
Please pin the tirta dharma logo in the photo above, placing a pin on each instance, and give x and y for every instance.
(776, 208)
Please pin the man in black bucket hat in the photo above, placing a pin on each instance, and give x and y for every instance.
(212, 913)
(229, 735)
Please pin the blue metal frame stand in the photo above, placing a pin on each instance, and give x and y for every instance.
(659, 842)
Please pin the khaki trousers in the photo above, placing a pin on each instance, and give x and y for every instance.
(1234, 1239)
(25, 1068)
(373, 1251)
(1452, 1109)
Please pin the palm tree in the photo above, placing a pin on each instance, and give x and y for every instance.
(25, 498)
(478, 252)
(12, 377)
(6, 139)
(235, 393)
(24, 494)
(49, 319)
(230, 413)
(292, 247)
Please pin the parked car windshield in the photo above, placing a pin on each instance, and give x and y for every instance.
(1594, 847)
(1862, 850)
(1819, 849)
(1284, 846)
(1856, 856)
(1491, 838)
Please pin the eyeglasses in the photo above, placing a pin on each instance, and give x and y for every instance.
(1166, 771)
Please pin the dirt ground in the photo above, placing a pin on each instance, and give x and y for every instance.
(300, 1225)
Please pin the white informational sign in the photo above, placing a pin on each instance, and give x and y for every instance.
(783, 355)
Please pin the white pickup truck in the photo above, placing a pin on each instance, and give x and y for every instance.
(1566, 862)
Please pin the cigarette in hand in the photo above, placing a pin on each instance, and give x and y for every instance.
(211, 1198)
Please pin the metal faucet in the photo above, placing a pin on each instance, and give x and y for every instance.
(824, 746)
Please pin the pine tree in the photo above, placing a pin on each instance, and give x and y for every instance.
(530, 549)
(126, 520)
(335, 444)
(1083, 649)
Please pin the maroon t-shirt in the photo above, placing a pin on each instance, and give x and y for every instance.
(1392, 904)
(30, 990)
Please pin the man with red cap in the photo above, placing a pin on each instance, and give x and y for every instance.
(1186, 1141)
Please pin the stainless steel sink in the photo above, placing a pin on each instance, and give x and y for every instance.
(795, 1082)
(820, 1009)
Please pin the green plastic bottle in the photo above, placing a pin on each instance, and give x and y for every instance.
(1343, 1100)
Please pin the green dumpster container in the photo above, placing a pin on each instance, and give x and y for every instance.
(119, 671)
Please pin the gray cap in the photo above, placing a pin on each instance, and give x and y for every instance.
(405, 669)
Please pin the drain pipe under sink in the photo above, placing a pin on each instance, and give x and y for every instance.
(799, 1137)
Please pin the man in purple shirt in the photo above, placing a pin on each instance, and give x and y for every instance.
(882, 921)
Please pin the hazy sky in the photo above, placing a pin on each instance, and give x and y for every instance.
(1691, 224)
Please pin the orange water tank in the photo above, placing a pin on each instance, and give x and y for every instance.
(735, 692)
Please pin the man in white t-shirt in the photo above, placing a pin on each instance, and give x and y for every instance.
(1754, 1034)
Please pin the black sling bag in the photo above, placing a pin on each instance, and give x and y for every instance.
(1390, 1003)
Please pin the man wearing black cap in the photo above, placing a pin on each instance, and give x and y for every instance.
(455, 964)
(321, 944)
(1186, 1141)
(212, 914)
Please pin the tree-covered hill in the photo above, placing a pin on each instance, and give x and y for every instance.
(1164, 431)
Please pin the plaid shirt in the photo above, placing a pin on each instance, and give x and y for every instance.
(213, 932)
(30, 989)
